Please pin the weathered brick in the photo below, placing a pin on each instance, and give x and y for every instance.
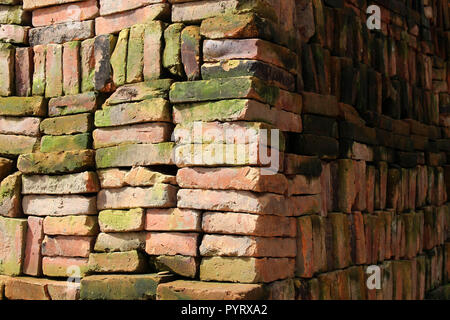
(66, 143)
(182, 265)
(87, 56)
(271, 74)
(121, 220)
(32, 4)
(319, 229)
(10, 196)
(137, 92)
(117, 262)
(63, 290)
(159, 196)
(199, 290)
(59, 162)
(72, 124)
(71, 65)
(65, 13)
(14, 14)
(67, 246)
(248, 224)
(304, 185)
(120, 242)
(245, 178)
(119, 58)
(71, 226)
(78, 183)
(115, 22)
(64, 267)
(172, 51)
(172, 220)
(304, 263)
(24, 71)
(234, 201)
(103, 49)
(26, 289)
(38, 82)
(12, 145)
(172, 243)
(140, 133)
(32, 264)
(61, 33)
(129, 113)
(224, 110)
(12, 245)
(338, 241)
(136, 177)
(190, 52)
(23, 106)
(7, 56)
(222, 154)
(195, 11)
(357, 238)
(244, 246)
(254, 49)
(246, 270)
(302, 205)
(121, 287)
(12, 33)
(233, 88)
(73, 104)
(135, 155)
(54, 71)
(153, 49)
(6, 167)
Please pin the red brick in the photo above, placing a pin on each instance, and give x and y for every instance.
(338, 241)
(247, 246)
(357, 238)
(360, 186)
(115, 22)
(71, 68)
(302, 205)
(172, 243)
(304, 185)
(370, 188)
(32, 265)
(305, 256)
(243, 178)
(248, 224)
(190, 52)
(347, 185)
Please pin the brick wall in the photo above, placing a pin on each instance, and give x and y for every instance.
(135, 138)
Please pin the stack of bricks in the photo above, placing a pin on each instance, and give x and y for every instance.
(233, 149)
